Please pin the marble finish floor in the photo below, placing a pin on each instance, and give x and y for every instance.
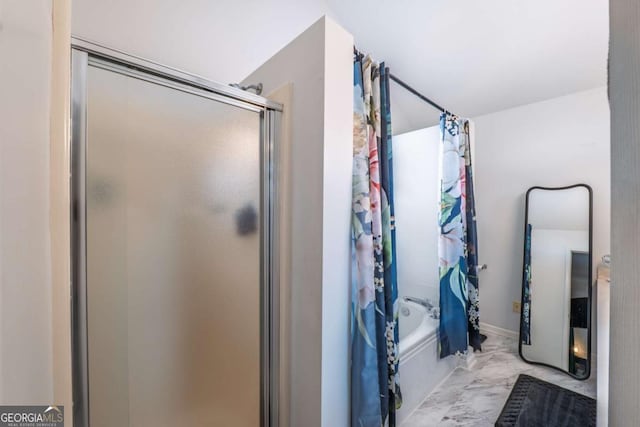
(475, 397)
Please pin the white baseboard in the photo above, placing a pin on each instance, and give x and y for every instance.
(496, 330)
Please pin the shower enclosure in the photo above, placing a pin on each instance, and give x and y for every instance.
(175, 314)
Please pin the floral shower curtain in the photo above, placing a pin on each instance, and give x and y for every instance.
(473, 308)
(375, 388)
(457, 245)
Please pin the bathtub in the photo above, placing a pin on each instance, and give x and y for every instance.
(415, 326)
(421, 370)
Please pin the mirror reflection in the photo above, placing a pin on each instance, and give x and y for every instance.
(555, 323)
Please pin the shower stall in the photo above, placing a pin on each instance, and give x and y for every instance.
(175, 285)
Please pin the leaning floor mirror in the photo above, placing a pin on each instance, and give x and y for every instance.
(555, 322)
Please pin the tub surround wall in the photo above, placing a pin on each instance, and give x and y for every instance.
(416, 165)
(417, 194)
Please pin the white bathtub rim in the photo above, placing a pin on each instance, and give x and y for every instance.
(416, 341)
(415, 310)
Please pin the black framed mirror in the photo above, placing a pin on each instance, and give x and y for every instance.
(555, 315)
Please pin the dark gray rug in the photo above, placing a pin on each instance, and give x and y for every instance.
(537, 403)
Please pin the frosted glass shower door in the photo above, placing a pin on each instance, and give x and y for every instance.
(173, 255)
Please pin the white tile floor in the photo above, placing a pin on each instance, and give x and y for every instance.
(475, 397)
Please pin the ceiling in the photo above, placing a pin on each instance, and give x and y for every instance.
(477, 57)
(221, 40)
(472, 57)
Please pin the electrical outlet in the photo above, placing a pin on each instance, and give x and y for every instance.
(516, 307)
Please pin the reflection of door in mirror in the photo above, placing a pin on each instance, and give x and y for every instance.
(579, 312)
(557, 276)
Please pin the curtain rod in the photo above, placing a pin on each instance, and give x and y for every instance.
(407, 87)
(416, 93)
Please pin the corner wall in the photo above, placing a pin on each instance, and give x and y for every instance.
(552, 143)
(336, 228)
(318, 65)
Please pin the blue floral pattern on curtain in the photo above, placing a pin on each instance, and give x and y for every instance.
(375, 387)
(457, 244)
(473, 306)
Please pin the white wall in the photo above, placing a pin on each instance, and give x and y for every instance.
(557, 142)
(25, 262)
(60, 204)
(35, 361)
(336, 224)
(318, 65)
(624, 91)
(416, 198)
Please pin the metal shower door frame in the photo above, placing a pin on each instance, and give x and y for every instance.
(85, 54)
